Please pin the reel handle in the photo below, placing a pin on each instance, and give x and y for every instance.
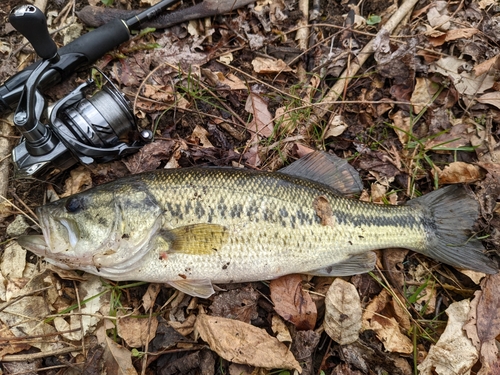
(31, 22)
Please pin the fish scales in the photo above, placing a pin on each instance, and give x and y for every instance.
(197, 226)
(270, 239)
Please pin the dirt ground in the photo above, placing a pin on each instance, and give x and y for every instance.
(407, 92)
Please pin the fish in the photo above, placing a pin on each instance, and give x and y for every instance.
(193, 228)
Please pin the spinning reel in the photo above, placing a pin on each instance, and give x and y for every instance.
(79, 127)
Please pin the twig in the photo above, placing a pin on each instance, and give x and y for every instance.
(32, 356)
(337, 89)
(5, 152)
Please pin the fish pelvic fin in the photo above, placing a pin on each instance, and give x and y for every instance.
(195, 288)
(449, 214)
(327, 169)
(355, 264)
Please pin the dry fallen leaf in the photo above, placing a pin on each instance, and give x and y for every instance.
(135, 330)
(387, 327)
(492, 98)
(293, 303)
(79, 180)
(265, 65)
(466, 83)
(459, 172)
(280, 329)
(243, 343)
(454, 353)
(8, 342)
(342, 312)
(262, 121)
(486, 320)
(117, 359)
(423, 93)
(201, 134)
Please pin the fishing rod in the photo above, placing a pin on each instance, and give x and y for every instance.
(80, 128)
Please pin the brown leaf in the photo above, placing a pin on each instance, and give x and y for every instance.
(79, 180)
(238, 304)
(384, 316)
(243, 343)
(119, 359)
(262, 121)
(488, 309)
(343, 312)
(460, 33)
(459, 173)
(485, 66)
(267, 65)
(149, 298)
(492, 98)
(149, 157)
(11, 345)
(292, 303)
(135, 330)
(201, 134)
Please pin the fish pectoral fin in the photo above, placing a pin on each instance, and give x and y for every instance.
(196, 239)
(327, 169)
(196, 288)
(355, 264)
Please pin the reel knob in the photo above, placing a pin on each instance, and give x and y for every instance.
(31, 22)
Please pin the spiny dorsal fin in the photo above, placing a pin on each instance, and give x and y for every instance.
(327, 169)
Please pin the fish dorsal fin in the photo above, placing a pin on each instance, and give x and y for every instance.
(355, 264)
(327, 169)
(195, 239)
(196, 288)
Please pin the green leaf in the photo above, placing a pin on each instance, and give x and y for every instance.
(373, 19)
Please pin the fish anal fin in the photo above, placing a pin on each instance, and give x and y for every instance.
(196, 288)
(196, 239)
(355, 264)
(327, 169)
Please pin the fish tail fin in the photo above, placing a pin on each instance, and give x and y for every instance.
(449, 216)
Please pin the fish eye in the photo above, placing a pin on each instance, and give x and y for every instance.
(73, 205)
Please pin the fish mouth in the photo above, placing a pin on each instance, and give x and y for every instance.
(34, 243)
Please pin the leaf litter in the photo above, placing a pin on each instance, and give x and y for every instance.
(241, 90)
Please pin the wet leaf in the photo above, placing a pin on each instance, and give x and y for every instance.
(454, 352)
(243, 343)
(342, 312)
(292, 303)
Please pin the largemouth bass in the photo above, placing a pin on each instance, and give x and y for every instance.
(194, 227)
